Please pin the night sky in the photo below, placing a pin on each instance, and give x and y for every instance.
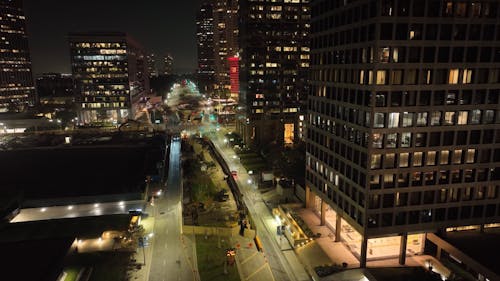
(161, 26)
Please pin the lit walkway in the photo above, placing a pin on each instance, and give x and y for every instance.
(338, 252)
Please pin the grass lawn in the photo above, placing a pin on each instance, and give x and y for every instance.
(211, 260)
(203, 188)
(72, 273)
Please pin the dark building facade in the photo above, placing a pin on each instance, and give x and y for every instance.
(110, 72)
(403, 127)
(54, 85)
(205, 42)
(274, 66)
(17, 90)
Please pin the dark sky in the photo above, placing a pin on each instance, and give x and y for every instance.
(161, 26)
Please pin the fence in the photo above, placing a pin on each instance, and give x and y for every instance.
(215, 230)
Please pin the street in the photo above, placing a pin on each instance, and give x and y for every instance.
(284, 265)
(169, 261)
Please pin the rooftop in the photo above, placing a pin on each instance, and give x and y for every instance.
(478, 245)
(92, 168)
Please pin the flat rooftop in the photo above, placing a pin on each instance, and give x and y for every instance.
(91, 169)
(481, 246)
(83, 227)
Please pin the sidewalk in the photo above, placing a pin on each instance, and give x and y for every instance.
(252, 264)
(140, 272)
(189, 245)
(325, 250)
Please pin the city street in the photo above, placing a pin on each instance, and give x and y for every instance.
(282, 262)
(169, 261)
(284, 267)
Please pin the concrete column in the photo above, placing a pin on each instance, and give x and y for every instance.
(308, 197)
(323, 212)
(402, 249)
(338, 226)
(438, 253)
(362, 255)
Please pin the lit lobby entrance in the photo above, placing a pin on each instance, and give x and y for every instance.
(377, 248)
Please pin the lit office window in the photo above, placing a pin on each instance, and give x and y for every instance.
(444, 157)
(431, 158)
(405, 139)
(467, 76)
(462, 117)
(417, 159)
(393, 120)
(404, 159)
(379, 120)
(471, 156)
(453, 76)
(436, 118)
(381, 77)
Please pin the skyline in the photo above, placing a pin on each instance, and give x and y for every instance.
(49, 22)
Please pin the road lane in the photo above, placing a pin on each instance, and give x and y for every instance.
(169, 261)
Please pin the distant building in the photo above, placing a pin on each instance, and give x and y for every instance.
(168, 63)
(225, 33)
(152, 68)
(55, 89)
(17, 91)
(234, 76)
(205, 42)
(110, 72)
(274, 68)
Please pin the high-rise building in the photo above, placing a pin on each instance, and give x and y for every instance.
(274, 65)
(225, 30)
(110, 72)
(205, 42)
(17, 91)
(168, 63)
(403, 127)
(152, 68)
